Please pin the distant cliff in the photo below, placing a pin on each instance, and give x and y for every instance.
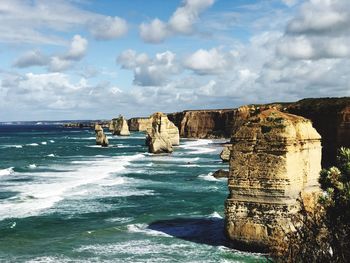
(204, 123)
(330, 117)
(139, 123)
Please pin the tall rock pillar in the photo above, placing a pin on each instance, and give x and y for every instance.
(275, 158)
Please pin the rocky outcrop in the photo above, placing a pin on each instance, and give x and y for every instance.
(328, 116)
(139, 124)
(343, 132)
(101, 138)
(221, 174)
(225, 153)
(204, 123)
(162, 135)
(275, 158)
(119, 126)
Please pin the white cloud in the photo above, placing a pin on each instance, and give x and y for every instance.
(58, 64)
(320, 30)
(155, 32)
(147, 71)
(31, 58)
(290, 2)
(77, 48)
(55, 63)
(29, 21)
(209, 61)
(182, 21)
(108, 28)
(129, 59)
(186, 16)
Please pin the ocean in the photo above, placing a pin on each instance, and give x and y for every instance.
(64, 199)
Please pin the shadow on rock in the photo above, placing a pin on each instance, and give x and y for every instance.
(208, 231)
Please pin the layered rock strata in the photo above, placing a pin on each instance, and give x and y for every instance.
(275, 158)
(328, 116)
(119, 126)
(139, 124)
(101, 138)
(162, 135)
(225, 153)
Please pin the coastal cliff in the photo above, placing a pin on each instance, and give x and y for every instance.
(275, 158)
(330, 117)
(139, 124)
(204, 123)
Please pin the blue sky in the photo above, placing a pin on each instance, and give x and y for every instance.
(85, 59)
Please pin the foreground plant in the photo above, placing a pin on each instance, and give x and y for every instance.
(321, 234)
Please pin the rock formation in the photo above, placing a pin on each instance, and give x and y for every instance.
(328, 116)
(275, 158)
(225, 154)
(204, 123)
(101, 138)
(163, 134)
(221, 174)
(119, 126)
(139, 124)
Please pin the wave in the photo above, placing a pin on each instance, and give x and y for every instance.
(198, 146)
(32, 166)
(51, 155)
(7, 171)
(215, 215)
(43, 143)
(208, 177)
(52, 141)
(32, 144)
(143, 228)
(11, 146)
(39, 196)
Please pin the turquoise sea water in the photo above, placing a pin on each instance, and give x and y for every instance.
(63, 199)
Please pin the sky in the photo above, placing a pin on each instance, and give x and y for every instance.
(96, 59)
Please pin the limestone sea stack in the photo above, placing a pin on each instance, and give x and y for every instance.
(101, 138)
(225, 153)
(162, 135)
(120, 126)
(275, 159)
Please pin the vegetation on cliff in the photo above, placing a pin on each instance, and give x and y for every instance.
(322, 234)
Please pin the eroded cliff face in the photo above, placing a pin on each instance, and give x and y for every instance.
(101, 138)
(328, 115)
(139, 124)
(204, 123)
(119, 126)
(330, 118)
(275, 157)
(162, 135)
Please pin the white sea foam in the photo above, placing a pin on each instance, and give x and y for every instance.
(51, 155)
(32, 166)
(143, 228)
(198, 146)
(36, 197)
(52, 141)
(11, 146)
(32, 144)
(7, 171)
(43, 143)
(208, 177)
(215, 215)
(97, 146)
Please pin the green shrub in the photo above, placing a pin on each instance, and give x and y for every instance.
(323, 234)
